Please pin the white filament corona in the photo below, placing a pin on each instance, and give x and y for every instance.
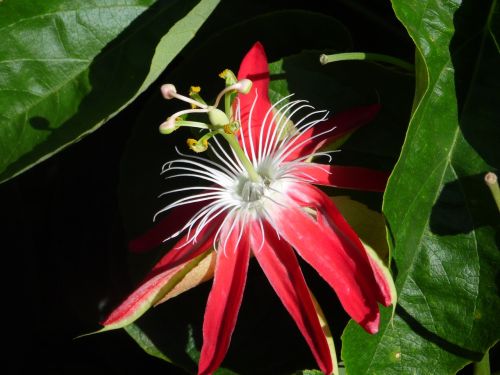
(232, 197)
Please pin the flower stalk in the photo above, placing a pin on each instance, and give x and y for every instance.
(491, 180)
(483, 366)
(326, 59)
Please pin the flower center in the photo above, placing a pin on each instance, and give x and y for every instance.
(250, 191)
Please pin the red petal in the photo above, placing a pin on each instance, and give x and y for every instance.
(344, 123)
(172, 223)
(374, 279)
(357, 178)
(282, 269)
(339, 261)
(254, 67)
(155, 284)
(224, 300)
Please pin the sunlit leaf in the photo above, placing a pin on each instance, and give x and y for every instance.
(67, 67)
(442, 222)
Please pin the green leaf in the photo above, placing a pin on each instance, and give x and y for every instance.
(67, 67)
(142, 339)
(149, 346)
(441, 219)
(400, 347)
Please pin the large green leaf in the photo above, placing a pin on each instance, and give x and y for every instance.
(401, 347)
(67, 67)
(441, 219)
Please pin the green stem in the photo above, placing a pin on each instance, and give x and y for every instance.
(208, 135)
(192, 124)
(325, 59)
(491, 180)
(233, 142)
(227, 105)
(483, 367)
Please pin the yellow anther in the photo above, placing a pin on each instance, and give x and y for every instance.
(197, 146)
(227, 129)
(224, 73)
(194, 90)
(194, 93)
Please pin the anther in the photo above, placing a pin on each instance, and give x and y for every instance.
(228, 76)
(194, 90)
(197, 146)
(231, 128)
(194, 93)
(224, 73)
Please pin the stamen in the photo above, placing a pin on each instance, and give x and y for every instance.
(169, 92)
(228, 76)
(171, 125)
(197, 146)
(243, 87)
